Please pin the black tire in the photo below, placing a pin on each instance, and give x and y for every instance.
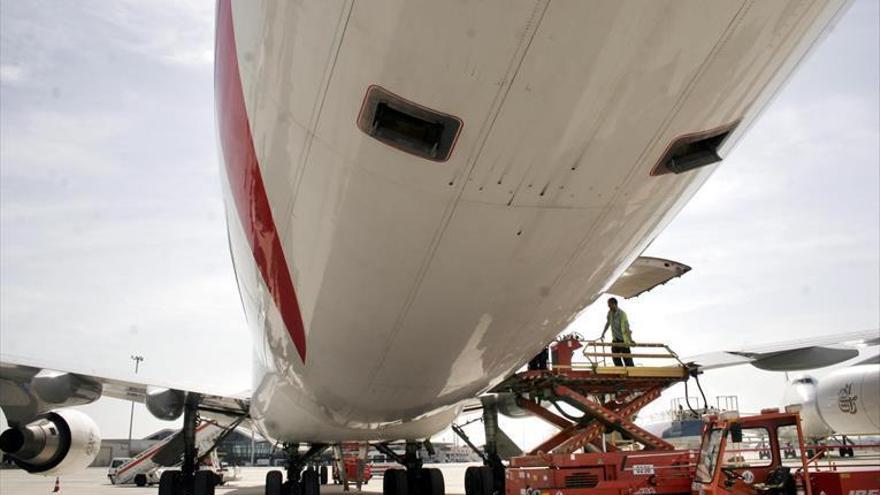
(478, 480)
(470, 480)
(168, 482)
(394, 482)
(431, 482)
(140, 479)
(204, 483)
(311, 483)
(274, 482)
(322, 471)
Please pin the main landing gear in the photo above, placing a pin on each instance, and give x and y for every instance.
(489, 478)
(188, 480)
(300, 480)
(414, 479)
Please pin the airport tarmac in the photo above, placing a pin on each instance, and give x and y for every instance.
(93, 481)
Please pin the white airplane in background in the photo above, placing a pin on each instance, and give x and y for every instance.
(421, 195)
(845, 402)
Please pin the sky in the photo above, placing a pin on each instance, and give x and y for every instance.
(113, 240)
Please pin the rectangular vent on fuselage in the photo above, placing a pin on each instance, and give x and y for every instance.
(693, 151)
(408, 126)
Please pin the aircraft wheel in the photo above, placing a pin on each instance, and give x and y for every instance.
(274, 482)
(168, 482)
(394, 482)
(324, 476)
(431, 482)
(204, 482)
(478, 480)
(311, 484)
(140, 479)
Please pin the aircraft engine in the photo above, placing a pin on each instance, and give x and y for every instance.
(66, 389)
(803, 391)
(57, 442)
(507, 406)
(849, 400)
(165, 403)
(845, 402)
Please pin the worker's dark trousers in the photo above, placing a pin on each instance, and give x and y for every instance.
(621, 349)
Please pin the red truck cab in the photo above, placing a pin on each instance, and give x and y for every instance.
(765, 455)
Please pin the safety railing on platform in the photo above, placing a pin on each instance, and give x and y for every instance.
(598, 353)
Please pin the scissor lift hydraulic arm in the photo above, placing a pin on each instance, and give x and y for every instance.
(606, 399)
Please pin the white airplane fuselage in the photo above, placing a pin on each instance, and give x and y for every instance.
(383, 288)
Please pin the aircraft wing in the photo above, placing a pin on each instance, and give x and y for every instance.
(644, 274)
(795, 355)
(29, 387)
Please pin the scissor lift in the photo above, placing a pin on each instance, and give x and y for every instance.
(582, 457)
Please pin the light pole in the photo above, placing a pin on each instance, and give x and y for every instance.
(137, 364)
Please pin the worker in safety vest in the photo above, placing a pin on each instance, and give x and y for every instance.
(620, 333)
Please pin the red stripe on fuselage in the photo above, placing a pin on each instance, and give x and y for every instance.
(246, 182)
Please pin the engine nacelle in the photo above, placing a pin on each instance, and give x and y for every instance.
(165, 403)
(507, 406)
(68, 389)
(845, 402)
(803, 391)
(849, 400)
(57, 442)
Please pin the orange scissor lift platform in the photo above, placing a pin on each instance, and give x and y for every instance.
(581, 458)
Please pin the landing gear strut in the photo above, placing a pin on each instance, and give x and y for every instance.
(300, 481)
(189, 480)
(414, 479)
(487, 479)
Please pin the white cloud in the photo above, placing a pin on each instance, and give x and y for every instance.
(173, 32)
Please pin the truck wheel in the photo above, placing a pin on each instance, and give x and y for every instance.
(168, 482)
(140, 479)
(203, 483)
(274, 481)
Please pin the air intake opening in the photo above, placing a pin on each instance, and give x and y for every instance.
(693, 151)
(408, 126)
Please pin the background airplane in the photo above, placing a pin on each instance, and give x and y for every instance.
(845, 401)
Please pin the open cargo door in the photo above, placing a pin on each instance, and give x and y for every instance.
(644, 274)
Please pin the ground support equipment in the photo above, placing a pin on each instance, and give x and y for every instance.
(609, 473)
(730, 462)
(583, 457)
